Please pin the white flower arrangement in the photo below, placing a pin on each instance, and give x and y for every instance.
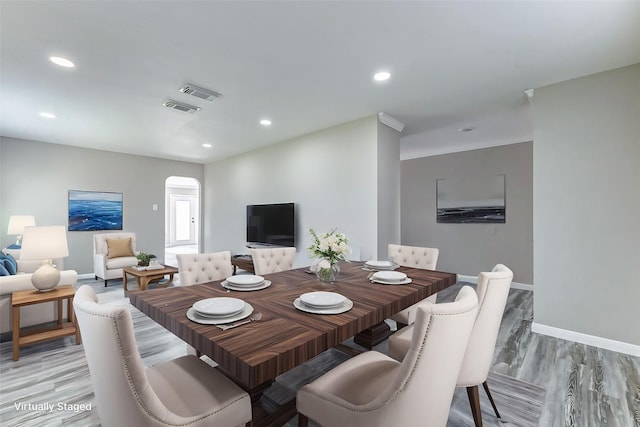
(330, 247)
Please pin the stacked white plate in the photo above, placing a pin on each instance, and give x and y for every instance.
(390, 278)
(323, 303)
(246, 282)
(219, 307)
(219, 310)
(380, 265)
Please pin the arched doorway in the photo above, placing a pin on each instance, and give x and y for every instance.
(182, 217)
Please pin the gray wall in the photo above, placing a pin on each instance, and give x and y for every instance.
(36, 177)
(331, 175)
(471, 248)
(587, 205)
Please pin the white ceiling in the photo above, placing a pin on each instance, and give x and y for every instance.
(306, 65)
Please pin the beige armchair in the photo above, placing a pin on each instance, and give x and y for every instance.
(416, 257)
(272, 260)
(372, 389)
(203, 268)
(183, 392)
(493, 290)
(111, 253)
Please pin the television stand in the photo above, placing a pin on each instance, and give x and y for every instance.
(244, 262)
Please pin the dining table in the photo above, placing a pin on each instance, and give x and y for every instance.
(254, 354)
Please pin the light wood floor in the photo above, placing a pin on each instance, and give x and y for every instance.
(585, 386)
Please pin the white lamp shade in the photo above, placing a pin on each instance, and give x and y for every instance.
(39, 243)
(17, 223)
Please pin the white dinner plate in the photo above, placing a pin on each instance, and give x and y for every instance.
(389, 276)
(344, 307)
(245, 280)
(223, 306)
(233, 287)
(193, 315)
(381, 265)
(322, 299)
(384, 282)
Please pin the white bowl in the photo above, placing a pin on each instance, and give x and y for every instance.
(245, 280)
(322, 299)
(389, 276)
(222, 306)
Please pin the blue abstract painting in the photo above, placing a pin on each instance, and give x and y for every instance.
(94, 210)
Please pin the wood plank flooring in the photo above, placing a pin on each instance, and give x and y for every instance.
(585, 386)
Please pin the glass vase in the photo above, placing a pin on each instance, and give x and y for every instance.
(329, 274)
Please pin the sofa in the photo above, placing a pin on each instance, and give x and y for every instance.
(107, 264)
(32, 314)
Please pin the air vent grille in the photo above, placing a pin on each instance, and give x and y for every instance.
(180, 106)
(199, 92)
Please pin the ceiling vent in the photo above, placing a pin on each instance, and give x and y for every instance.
(180, 106)
(199, 92)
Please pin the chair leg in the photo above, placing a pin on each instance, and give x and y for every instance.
(474, 400)
(105, 283)
(303, 421)
(486, 389)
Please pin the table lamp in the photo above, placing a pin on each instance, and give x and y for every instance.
(17, 223)
(45, 243)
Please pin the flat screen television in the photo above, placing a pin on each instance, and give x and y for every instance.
(271, 224)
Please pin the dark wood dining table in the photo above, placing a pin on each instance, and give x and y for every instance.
(253, 355)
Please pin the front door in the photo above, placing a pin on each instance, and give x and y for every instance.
(184, 219)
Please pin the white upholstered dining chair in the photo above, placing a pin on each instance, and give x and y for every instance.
(272, 260)
(182, 392)
(373, 389)
(416, 257)
(493, 290)
(203, 268)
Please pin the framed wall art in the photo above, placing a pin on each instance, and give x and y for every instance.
(94, 210)
(481, 200)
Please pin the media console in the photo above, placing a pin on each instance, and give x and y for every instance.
(244, 262)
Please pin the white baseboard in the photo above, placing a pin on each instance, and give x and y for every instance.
(514, 285)
(86, 276)
(605, 343)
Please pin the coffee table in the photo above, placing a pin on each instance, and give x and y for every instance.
(144, 276)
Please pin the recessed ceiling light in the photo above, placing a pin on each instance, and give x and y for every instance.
(63, 62)
(381, 76)
(207, 145)
(265, 122)
(48, 115)
(466, 129)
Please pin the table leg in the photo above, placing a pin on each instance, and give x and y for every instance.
(168, 282)
(60, 313)
(373, 336)
(72, 319)
(16, 332)
(124, 280)
(143, 282)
